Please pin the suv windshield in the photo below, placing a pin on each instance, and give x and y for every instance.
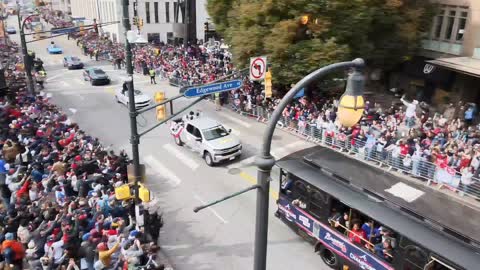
(214, 133)
(98, 71)
(75, 59)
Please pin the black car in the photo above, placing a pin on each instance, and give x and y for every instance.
(72, 62)
(96, 76)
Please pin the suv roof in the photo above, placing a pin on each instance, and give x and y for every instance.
(204, 123)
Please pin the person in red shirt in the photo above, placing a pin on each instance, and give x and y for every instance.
(357, 235)
(403, 149)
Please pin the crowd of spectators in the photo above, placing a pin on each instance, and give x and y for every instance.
(58, 208)
(407, 136)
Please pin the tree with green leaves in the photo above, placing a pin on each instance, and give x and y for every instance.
(302, 35)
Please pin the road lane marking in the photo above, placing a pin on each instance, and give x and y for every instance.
(162, 171)
(252, 180)
(235, 120)
(175, 151)
(210, 208)
(110, 90)
(242, 162)
(58, 75)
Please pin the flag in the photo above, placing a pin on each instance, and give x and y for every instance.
(300, 94)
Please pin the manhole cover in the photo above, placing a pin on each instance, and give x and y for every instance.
(234, 171)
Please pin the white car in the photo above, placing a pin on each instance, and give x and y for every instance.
(207, 137)
(141, 100)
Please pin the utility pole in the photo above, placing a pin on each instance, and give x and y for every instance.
(134, 137)
(26, 60)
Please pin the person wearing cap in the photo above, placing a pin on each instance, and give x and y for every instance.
(105, 254)
(15, 247)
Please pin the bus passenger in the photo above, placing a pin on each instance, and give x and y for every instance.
(340, 221)
(356, 235)
(300, 202)
(384, 250)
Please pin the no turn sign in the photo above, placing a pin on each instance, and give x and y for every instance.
(258, 67)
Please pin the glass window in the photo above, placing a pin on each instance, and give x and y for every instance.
(452, 13)
(438, 26)
(147, 11)
(461, 28)
(448, 32)
(215, 133)
(415, 256)
(155, 10)
(175, 12)
(167, 12)
(190, 129)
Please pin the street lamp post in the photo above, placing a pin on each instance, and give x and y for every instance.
(134, 137)
(28, 67)
(350, 111)
(265, 161)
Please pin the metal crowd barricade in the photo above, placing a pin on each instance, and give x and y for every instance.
(416, 167)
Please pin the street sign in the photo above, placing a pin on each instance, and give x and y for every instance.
(208, 89)
(258, 67)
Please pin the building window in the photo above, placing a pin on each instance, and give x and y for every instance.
(147, 11)
(438, 24)
(155, 10)
(167, 12)
(450, 22)
(462, 22)
(153, 38)
(449, 25)
(175, 12)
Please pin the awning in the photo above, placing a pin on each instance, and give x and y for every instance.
(466, 65)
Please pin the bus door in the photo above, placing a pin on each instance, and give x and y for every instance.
(438, 264)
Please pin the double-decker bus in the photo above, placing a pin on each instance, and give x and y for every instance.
(359, 216)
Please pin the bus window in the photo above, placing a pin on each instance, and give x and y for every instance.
(318, 204)
(415, 257)
(299, 194)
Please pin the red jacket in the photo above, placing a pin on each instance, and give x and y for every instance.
(16, 247)
(356, 236)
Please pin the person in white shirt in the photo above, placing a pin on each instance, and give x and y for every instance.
(410, 112)
(466, 180)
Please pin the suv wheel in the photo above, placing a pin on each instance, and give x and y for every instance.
(208, 159)
(329, 258)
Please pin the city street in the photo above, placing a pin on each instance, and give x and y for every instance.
(220, 237)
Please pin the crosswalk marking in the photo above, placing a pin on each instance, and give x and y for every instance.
(237, 121)
(162, 171)
(174, 151)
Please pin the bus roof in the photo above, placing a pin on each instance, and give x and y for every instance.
(379, 209)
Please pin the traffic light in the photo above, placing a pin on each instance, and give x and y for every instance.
(205, 26)
(268, 84)
(135, 21)
(140, 23)
(160, 110)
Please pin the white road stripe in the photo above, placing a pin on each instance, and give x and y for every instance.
(210, 208)
(243, 162)
(58, 75)
(175, 151)
(235, 120)
(163, 171)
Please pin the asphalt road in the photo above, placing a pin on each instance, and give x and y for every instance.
(220, 237)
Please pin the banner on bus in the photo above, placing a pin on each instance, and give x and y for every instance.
(332, 239)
